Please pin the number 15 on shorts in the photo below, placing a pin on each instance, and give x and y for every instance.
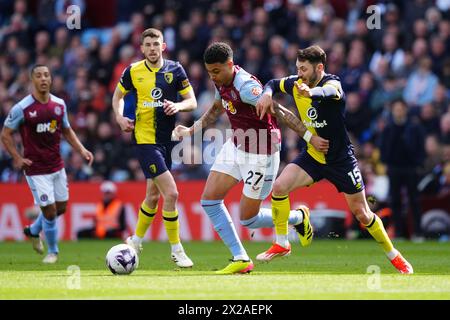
(356, 177)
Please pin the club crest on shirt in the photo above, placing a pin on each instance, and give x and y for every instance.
(168, 76)
(58, 110)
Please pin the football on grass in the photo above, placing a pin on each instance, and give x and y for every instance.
(122, 259)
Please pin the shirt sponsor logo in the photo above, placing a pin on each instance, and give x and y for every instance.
(156, 93)
(228, 105)
(315, 124)
(153, 104)
(312, 113)
(47, 127)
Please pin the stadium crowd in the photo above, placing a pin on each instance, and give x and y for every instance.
(404, 58)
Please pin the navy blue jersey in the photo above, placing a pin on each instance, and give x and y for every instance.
(323, 116)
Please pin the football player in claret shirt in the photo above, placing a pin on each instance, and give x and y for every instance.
(321, 104)
(251, 154)
(156, 84)
(41, 119)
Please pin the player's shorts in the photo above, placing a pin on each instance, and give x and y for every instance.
(155, 159)
(48, 188)
(257, 170)
(345, 175)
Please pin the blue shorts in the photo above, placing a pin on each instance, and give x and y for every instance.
(344, 175)
(155, 159)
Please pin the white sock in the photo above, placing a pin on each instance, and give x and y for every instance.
(392, 254)
(241, 257)
(282, 240)
(177, 247)
(136, 239)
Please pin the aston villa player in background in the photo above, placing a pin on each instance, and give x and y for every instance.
(41, 118)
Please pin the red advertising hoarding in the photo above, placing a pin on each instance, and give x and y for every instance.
(194, 223)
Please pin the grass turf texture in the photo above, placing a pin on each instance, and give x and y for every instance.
(329, 269)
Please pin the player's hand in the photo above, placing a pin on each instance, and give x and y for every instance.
(170, 108)
(303, 89)
(126, 124)
(22, 163)
(88, 156)
(264, 104)
(320, 144)
(181, 131)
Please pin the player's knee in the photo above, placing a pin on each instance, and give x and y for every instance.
(61, 209)
(279, 188)
(171, 195)
(152, 200)
(362, 215)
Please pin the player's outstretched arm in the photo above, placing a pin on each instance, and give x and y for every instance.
(331, 90)
(126, 124)
(188, 103)
(205, 120)
(8, 141)
(292, 121)
(73, 140)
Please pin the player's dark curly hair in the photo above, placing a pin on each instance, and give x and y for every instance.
(313, 54)
(218, 52)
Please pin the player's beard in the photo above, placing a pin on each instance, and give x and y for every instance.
(312, 80)
(153, 59)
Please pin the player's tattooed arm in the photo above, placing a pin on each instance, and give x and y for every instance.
(209, 117)
(287, 117)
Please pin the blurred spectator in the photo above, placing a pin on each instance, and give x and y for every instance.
(379, 66)
(402, 150)
(390, 52)
(421, 85)
(109, 221)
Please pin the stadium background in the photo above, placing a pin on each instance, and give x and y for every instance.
(376, 66)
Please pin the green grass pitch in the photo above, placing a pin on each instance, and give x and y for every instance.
(328, 269)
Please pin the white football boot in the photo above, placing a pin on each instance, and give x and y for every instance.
(50, 258)
(181, 259)
(136, 246)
